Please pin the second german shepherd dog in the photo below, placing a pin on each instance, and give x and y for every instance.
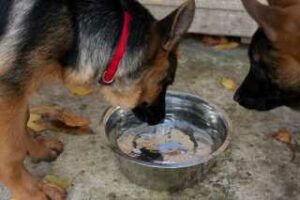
(78, 42)
(274, 54)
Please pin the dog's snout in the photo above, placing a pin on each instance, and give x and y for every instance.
(249, 102)
(259, 101)
(151, 114)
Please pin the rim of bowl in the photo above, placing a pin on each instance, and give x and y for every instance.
(109, 111)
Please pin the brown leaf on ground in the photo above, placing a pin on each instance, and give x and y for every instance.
(219, 42)
(63, 183)
(56, 118)
(228, 84)
(285, 136)
(213, 40)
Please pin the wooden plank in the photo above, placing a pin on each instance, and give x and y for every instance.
(209, 4)
(217, 22)
(218, 17)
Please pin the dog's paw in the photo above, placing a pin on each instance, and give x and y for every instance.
(55, 146)
(45, 149)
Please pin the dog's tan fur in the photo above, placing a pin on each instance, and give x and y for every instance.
(145, 89)
(281, 23)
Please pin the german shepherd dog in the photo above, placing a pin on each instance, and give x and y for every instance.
(274, 76)
(79, 42)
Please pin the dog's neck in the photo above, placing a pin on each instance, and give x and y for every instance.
(97, 28)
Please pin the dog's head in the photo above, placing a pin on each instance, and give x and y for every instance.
(274, 53)
(145, 93)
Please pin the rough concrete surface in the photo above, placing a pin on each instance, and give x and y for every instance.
(254, 167)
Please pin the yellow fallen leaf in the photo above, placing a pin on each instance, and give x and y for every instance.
(285, 136)
(35, 123)
(64, 183)
(228, 84)
(227, 46)
(81, 91)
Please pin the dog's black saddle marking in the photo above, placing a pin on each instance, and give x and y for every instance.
(126, 4)
(5, 8)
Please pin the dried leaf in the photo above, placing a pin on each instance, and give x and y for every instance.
(220, 43)
(64, 183)
(81, 91)
(228, 84)
(70, 119)
(60, 114)
(212, 40)
(35, 123)
(58, 119)
(227, 46)
(285, 136)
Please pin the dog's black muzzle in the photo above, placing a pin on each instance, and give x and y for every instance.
(258, 92)
(152, 114)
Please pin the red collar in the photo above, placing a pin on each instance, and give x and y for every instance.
(111, 69)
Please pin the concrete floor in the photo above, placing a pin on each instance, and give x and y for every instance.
(255, 167)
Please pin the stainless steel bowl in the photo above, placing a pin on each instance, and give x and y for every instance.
(172, 155)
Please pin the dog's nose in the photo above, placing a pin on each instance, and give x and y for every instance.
(258, 104)
(151, 115)
(246, 102)
(154, 121)
(156, 116)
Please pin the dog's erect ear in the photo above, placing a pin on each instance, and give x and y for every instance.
(267, 16)
(176, 24)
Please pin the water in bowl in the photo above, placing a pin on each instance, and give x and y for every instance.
(171, 142)
(190, 133)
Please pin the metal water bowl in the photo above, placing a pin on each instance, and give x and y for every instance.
(172, 155)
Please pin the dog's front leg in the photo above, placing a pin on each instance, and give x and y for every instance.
(13, 150)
